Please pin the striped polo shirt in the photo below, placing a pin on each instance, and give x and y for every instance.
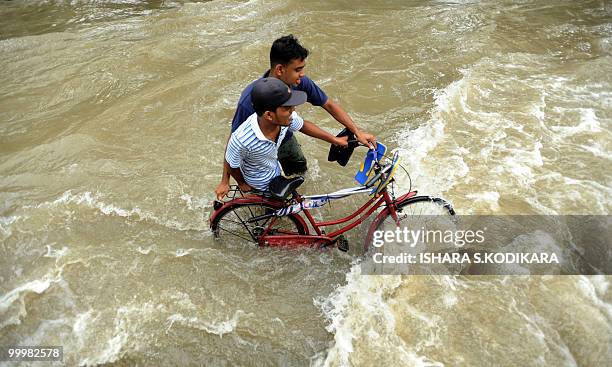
(256, 155)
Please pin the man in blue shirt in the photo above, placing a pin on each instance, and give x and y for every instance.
(252, 149)
(287, 61)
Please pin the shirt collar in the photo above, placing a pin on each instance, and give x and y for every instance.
(257, 130)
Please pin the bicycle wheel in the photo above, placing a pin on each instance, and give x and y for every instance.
(415, 213)
(234, 223)
(426, 205)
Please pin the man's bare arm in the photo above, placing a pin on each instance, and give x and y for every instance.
(237, 175)
(313, 130)
(342, 117)
(223, 187)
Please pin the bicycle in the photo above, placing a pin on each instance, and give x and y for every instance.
(274, 218)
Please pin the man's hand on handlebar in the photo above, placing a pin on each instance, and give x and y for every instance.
(366, 139)
(342, 142)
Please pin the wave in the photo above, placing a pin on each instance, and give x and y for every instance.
(94, 201)
(362, 317)
(485, 159)
(15, 299)
(217, 328)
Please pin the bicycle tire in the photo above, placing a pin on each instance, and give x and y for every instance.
(230, 224)
(417, 206)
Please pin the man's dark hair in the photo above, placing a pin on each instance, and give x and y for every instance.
(285, 49)
(260, 110)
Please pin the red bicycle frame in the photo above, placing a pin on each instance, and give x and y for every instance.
(321, 238)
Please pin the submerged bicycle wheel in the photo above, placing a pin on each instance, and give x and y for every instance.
(426, 205)
(418, 212)
(235, 223)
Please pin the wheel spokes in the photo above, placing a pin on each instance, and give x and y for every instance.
(237, 222)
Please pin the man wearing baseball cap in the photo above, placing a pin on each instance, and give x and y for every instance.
(287, 63)
(252, 151)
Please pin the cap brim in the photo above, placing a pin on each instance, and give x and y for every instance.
(297, 98)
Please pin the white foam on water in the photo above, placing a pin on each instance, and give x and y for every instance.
(93, 200)
(431, 323)
(336, 309)
(489, 197)
(516, 147)
(520, 163)
(515, 158)
(587, 184)
(534, 324)
(538, 108)
(597, 150)
(56, 254)
(600, 283)
(110, 354)
(85, 198)
(6, 223)
(218, 328)
(13, 308)
(182, 252)
(436, 176)
(145, 250)
(358, 311)
(594, 288)
(449, 300)
(417, 143)
(573, 192)
(114, 348)
(183, 300)
(195, 203)
(80, 325)
(350, 307)
(17, 295)
(589, 123)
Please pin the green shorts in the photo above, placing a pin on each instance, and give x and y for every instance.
(291, 157)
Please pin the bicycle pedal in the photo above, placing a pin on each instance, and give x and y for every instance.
(342, 244)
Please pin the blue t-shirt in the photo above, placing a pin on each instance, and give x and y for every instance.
(315, 96)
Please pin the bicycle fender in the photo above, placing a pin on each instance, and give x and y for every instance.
(383, 214)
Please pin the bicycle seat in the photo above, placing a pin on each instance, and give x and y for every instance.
(281, 187)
